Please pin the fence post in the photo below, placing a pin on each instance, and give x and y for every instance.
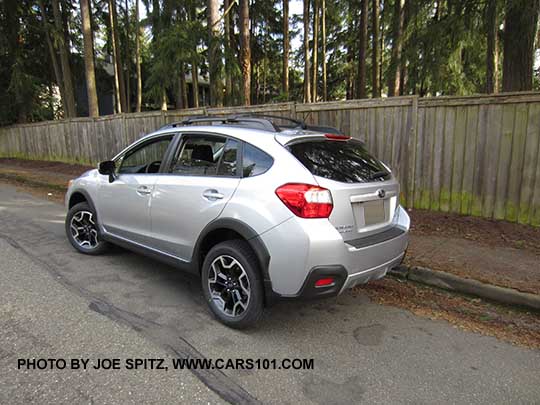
(292, 110)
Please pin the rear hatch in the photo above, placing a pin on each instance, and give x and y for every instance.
(364, 192)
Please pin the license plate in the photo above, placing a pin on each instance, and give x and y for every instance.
(373, 212)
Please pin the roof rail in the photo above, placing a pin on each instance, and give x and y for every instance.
(298, 123)
(232, 120)
(263, 121)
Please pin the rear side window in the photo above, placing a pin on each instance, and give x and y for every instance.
(205, 155)
(347, 162)
(255, 161)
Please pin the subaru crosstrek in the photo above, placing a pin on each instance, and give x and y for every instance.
(260, 211)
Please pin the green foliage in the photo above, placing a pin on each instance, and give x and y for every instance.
(444, 50)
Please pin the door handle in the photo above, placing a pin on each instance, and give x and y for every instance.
(212, 195)
(143, 190)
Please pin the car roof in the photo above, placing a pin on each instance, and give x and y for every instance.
(251, 135)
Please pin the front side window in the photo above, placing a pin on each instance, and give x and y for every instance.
(145, 158)
(206, 155)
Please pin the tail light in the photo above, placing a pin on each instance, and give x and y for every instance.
(337, 137)
(305, 200)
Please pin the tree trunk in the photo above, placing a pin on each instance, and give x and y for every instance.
(285, 77)
(404, 71)
(118, 73)
(214, 54)
(195, 83)
(245, 51)
(71, 110)
(181, 91)
(362, 51)
(324, 73)
(350, 59)
(228, 51)
(52, 53)
(375, 78)
(492, 54)
(394, 68)
(128, 62)
(93, 107)
(519, 35)
(183, 86)
(381, 44)
(315, 64)
(138, 57)
(164, 105)
(307, 85)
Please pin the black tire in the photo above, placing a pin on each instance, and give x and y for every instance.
(101, 246)
(244, 255)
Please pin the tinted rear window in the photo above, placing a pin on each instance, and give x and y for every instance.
(347, 162)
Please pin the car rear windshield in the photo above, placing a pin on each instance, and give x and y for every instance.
(344, 161)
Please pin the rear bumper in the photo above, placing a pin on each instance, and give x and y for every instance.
(375, 273)
(298, 247)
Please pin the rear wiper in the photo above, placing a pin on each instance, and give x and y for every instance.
(375, 175)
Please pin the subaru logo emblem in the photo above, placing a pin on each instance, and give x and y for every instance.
(381, 193)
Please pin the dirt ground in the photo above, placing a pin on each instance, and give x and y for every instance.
(485, 232)
(49, 168)
(510, 324)
(494, 252)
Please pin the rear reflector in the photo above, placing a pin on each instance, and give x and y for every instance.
(336, 137)
(324, 282)
(306, 200)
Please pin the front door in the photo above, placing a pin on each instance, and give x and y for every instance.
(201, 179)
(124, 204)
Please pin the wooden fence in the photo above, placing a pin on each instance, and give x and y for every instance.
(471, 155)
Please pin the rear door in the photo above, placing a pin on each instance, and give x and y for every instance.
(201, 179)
(364, 192)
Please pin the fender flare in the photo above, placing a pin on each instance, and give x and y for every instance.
(86, 196)
(254, 241)
(89, 201)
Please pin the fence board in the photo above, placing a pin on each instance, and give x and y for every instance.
(494, 126)
(530, 163)
(458, 161)
(469, 159)
(479, 161)
(447, 158)
(516, 162)
(438, 142)
(505, 156)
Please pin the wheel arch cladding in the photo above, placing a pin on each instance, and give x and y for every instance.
(79, 196)
(76, 198)
(226, 229)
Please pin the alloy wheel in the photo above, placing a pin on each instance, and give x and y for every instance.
(84, 230)
(229, 286)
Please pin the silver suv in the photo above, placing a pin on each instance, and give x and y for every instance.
(261, 211)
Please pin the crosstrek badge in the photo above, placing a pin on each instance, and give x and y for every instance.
(344, 228)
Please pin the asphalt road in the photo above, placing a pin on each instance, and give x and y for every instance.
(57, 303)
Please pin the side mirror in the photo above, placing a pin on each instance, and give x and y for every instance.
(107, 168)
